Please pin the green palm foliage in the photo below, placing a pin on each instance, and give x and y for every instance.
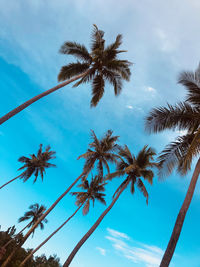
(102, 151)
(135, 168)
(34, 213)
(184, 116)
(101, 64)
(35, 165)
(92, 191)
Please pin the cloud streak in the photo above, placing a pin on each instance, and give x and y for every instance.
(147, 255)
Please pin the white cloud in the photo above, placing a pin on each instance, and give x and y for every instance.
(150, 89)
(101, 250)
(117, 234)
(129, 107)
(148, 256)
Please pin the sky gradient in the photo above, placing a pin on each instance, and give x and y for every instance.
(162, 39)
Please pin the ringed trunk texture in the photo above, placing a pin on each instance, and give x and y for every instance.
(39, 220)
(92, 229)
(180, 219)
(37, 97)
(50, 236)
(10, 181)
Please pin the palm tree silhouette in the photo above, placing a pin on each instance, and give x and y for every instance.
(92, 191)
(98, 66)
(103, 152)
(133, 168)
(35, 165)
(180, 153)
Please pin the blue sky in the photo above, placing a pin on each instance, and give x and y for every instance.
(162, 39)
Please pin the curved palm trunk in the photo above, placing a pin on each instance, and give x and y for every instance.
(93, 228)
(41, 219)
(47, 239)
(10, 181)
(180, 219)
(35, 98)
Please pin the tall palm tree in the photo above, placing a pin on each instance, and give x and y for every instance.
(180, 153)
(106, 153)
(98, 66)
(34, 213)
(35, 165)
(133, 168)
(92, 191)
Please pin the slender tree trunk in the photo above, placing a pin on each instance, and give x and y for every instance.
(50, 236)
(10, 181)
(35, 98)
(93, 228)
(180, 219)
(41, 219)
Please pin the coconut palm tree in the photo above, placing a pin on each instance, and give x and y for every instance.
(98, 66)
(92, 191)
(105, 152)
(133, 169)
(35, 165)
(34, 213)
(184, 116)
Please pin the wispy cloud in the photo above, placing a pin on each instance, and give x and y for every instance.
(101, 250)
(150, 89)
(117, 234)
(129, 107)
(149, 256)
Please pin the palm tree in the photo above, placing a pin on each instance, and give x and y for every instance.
(133, 168)
(35, 165)
(105, 152)
(92, 191)
(34, 213)
(99, 66)
(180, 153)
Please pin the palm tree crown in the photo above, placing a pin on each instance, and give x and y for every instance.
(101, 151)
(34, 213)
(36, 164)
(92, 191)
(100, 65)
(184, 116)
(134, 168)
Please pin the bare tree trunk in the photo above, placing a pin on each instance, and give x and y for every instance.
(47, 239)
(10, 181)
(35, 98)
(41, 219)
(180, 219)
(93, 228)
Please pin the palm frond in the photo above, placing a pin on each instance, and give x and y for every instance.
(174, 154)
(110, 176)
(142, 188)
(77, 50)
(71, 70)
(191, 80)
(181, 116)
(97, 90)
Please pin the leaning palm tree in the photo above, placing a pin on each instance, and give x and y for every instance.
(35, 165)
(105, 152)
(133, 169)
(98, 66)
(184, 116)
(92, 191)
(34, 213)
